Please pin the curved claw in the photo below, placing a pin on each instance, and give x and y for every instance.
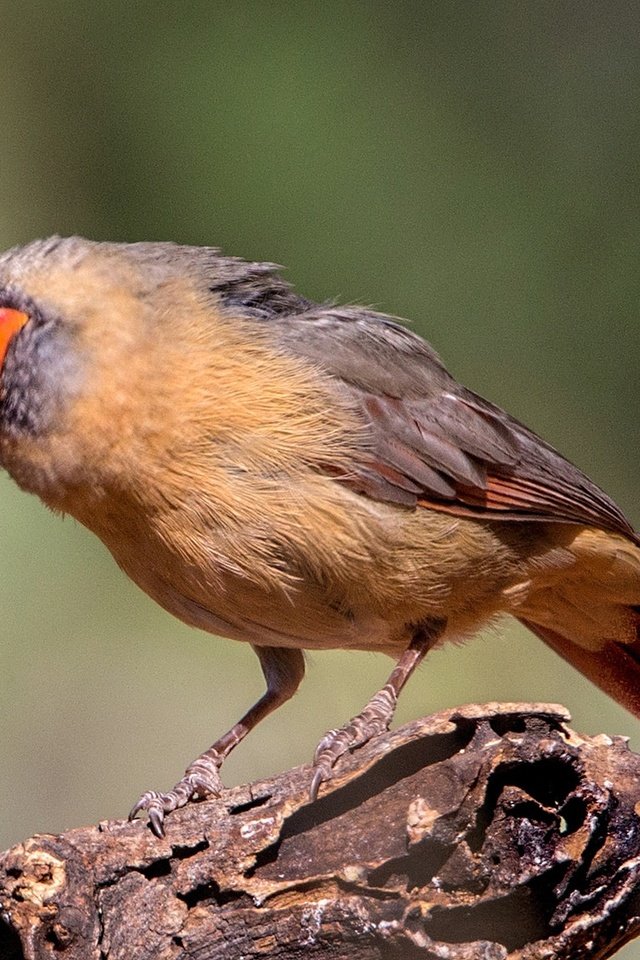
(145, 802)
(336, 743)
(156, 821)
(135, 809)
(200, 780)
(319, 775)
(156, 805)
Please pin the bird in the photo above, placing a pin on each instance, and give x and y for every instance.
(298, 476)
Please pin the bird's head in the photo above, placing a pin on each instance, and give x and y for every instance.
(112, 353)
(92, 338)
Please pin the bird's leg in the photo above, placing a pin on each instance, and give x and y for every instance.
(378, 713)
(283, 670)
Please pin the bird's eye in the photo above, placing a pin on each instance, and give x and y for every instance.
(11, 321)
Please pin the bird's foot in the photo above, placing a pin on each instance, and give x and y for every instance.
(374, 720)
(201, 779)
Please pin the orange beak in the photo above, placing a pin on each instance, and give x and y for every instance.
(11, 321)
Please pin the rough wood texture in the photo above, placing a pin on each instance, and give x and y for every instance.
(486, 832)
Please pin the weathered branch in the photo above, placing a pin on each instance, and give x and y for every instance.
(486, 832)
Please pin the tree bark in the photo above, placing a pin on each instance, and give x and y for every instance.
(484, 833)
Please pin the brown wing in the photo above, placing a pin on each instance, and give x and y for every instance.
(433, 442)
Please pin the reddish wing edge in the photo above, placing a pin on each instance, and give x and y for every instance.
(408, 463)
(431, 442)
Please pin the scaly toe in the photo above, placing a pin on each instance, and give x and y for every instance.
(155, 805)
(336, 743)
(198, 782)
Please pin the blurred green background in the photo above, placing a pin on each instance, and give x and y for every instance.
(471, 166)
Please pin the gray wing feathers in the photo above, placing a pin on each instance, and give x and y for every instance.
(430, 439)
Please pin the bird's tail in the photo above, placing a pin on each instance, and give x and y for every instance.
(591, 615)
(614, 667)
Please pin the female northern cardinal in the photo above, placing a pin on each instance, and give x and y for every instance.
(296, 475)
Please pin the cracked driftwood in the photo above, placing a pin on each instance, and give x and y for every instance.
(486, 832)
